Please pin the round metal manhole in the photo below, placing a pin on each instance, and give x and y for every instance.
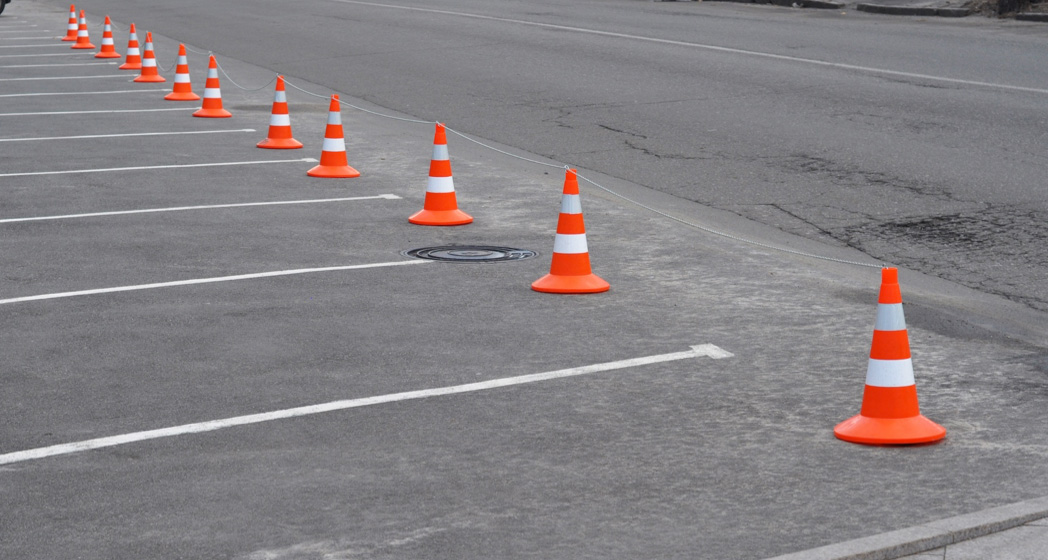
(471, 253)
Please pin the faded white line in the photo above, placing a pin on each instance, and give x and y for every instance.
(192, 282)
(145, 167)
(589, 31)
(100, 112)
(126, 76)
(56, 65)
(32, 46)
(125, 135)
(83, 93)
(29, 55)
(703, 350)
(207, 207)
(27, 38)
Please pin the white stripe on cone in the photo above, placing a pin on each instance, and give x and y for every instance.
(890, 317)
(570, 243)
(440, 185)
(279, 120)
(334, 145)
(890, 373)
(571, 204)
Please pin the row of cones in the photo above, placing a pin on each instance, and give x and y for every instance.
(890, 413)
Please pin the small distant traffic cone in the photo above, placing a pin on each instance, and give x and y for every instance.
(440, 207)
(183, 89)
(890, 414)
(108, 49)
(570, 271)
(149, 72)
(82, 40)
(280, 123)
(72, 28)
(134, 56)
(212, 107)
(333, 163)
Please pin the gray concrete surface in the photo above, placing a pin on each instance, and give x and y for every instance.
(717, 459)
(1027, 542)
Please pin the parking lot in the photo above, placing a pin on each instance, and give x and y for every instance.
(162, 278)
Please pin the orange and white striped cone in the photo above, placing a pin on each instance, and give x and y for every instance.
(72, 27)
(183, 89)
(333, 162)
(134, 56)
(108, 49)
(570, 271)
(82, 39)
(890, 414)
(441, 206)
(212, 106)
(149, 72)
(280, 123)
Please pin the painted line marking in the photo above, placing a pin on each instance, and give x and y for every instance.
(853, 67)
(124, 135)
(211, 280)
(55, 65)
(81, 92)
(32, 46)
(702, 350)
(207, 207)
(27, 38)
(99, 112)
(128, 76)
(29, 55)
(146, 167)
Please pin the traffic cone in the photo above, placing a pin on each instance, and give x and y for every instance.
(333, 163)
(108, 49)
(72, 28)
(149, 72)
(212, 107)
(440, 207)
(570, 271)
(889, 414)
(82, 40)
(280, 123)
(134, 56)
(183, 89)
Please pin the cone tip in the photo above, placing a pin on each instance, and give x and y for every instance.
(149, 36)
(181, 49)
(889, 275)
(107, 20)
(212, 63)
(132, 30)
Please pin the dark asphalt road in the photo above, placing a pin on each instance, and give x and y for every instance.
(940, 176)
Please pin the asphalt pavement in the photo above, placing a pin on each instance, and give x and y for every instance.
(214, 356)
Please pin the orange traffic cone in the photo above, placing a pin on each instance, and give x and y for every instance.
(149, 72)
(441, 206)
(82, 40)
(333, 163)
(280, 123)
(108, 49)
(212, 107)
(889, 414)
(183, 89)
(134, 56)
(72, 28)
(570, 271)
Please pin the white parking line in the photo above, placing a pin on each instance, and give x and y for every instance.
(126, 76)
(32, 46)
(27, 38)
(145, 167)
(212, 280)
(207, 207)
(703, 350)
(82, 93)
(98, 112)
(49, 54)
(54, 65)
(127, 134)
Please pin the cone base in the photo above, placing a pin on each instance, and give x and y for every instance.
(213, 113)
(280, 144)
(83, 46)
(333, 172)
(454, 217)
(558, 284)
(182, 96)
(107, 55)
(149, 79)
(130, 66)
(889, 431)
(68, 38)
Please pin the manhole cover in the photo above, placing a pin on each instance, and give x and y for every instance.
(470, 253)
